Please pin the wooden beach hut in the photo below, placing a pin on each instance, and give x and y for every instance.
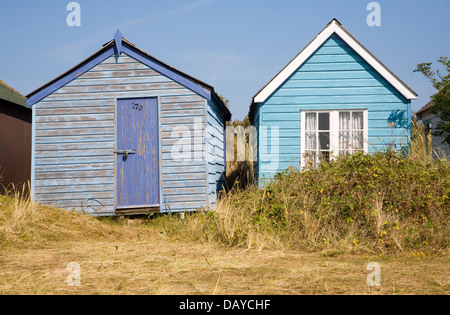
(334, 97)
(123, 133)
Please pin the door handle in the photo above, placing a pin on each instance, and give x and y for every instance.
(125, 153)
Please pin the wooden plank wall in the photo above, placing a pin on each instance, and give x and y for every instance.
(75, 138)
(215, 152)
(15, 146)
(334, 77)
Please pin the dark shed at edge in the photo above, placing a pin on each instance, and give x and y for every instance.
(15, 139)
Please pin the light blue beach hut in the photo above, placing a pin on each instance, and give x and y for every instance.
(333, 98)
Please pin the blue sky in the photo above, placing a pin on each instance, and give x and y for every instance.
(235, 45)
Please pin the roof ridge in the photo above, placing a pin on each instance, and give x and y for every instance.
(6, 85)
(429, 105)
(334, 27)
(201, 87)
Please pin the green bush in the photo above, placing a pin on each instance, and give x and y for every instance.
(377, 203)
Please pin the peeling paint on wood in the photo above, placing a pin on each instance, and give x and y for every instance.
(76, 138)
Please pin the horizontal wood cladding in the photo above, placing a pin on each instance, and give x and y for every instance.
(119, 94)
(215, 153)
(106, 88)
(335, 77)
(75, 138)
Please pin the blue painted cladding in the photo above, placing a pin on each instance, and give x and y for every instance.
(105, 54)
(256, 123)
(69, 77)
(334, 77)
(75, 139)
(215, 149)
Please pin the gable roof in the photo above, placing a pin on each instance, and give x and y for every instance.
(117, 46)
(7, 93)
(431, 104)
(334, 27)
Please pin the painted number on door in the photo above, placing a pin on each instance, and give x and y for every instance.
(137, 107)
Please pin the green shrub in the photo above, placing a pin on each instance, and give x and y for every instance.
(384, 202)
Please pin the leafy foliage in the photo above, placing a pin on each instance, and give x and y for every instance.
(441, 82)
(386, 202)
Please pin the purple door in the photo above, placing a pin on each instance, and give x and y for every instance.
(137, 153)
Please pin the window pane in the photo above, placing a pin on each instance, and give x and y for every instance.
(358, 121)
(344, 121)
(320, 132)
(358, 140)
(311, 121)
(324, 140)
(344, 140)
(324, 121)
(310, 141)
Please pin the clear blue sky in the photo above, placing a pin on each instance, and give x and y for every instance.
(235, 45)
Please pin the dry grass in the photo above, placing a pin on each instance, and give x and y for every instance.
(135, 257)
(158, 265)
(24, 223)
(389, 202)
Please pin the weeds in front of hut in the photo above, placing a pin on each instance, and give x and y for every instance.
(387, 202)
(160, 256)
(17, 215)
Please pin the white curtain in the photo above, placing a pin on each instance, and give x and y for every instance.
(357, 121)
(310, 134)
(311, 141)
(344, 130)
(351, 134)
(344, 121)
(311, 121)
(358, 133)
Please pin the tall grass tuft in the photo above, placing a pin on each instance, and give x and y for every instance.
(27, 223)
(17, 212)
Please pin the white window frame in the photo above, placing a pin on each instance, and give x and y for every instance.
(334, 130)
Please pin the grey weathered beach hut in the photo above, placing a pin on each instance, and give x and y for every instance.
(124, 133)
